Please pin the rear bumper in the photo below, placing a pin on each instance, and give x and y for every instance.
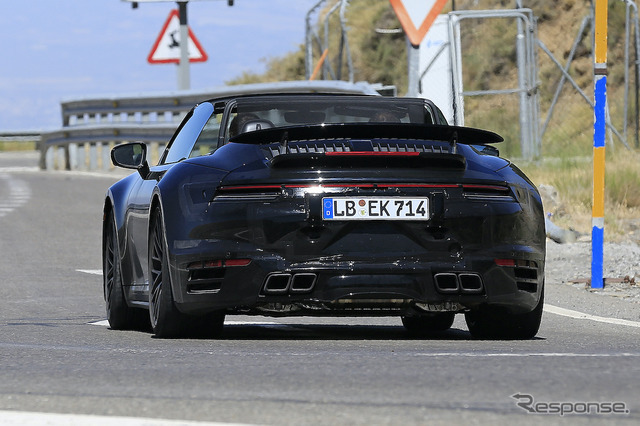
(271, 285)
(299, 264)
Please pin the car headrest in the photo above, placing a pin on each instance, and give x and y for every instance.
(253, 125)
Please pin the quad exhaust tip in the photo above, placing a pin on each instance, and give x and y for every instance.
(277, 284)
(450, 283)
(303, 283)
(283, 283)
(447, 282)
(470, 283)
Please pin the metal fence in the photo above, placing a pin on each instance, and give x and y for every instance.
(523, 96)
(92, 126)
(563, 82)
(572, 100)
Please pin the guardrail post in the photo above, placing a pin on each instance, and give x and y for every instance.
(73, 156)
(49, 158)
(93, 157)
(82, 157)
(60, 158)
(105, 148)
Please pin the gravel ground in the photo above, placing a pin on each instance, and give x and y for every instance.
(570, 264)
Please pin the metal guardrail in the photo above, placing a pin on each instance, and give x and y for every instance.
(20, 136)
(92, 126)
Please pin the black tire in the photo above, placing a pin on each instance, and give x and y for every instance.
(119, 314)
(428, 324)
(166, 320)
(208, 326)
(502, 325)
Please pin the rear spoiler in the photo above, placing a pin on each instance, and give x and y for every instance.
(433, 132)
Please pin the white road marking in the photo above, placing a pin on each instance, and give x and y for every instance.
(23, 418)
(19, 194)
(105, 323)
(19, 169)
(263, 323)
(581, 315)
(90, 271)
(529, 354)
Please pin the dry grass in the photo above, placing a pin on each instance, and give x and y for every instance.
(17, 146)
(572, 178)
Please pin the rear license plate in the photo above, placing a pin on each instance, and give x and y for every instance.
(375, 208)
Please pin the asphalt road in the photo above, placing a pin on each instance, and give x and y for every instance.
(57, 356)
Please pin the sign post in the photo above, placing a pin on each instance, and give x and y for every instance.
(158, 55)
(600, 108)
(184, 74)
(169, 48)
(416, 17)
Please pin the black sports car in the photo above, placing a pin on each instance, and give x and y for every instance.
(338, 205)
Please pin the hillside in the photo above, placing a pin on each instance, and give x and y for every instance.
(489, 63)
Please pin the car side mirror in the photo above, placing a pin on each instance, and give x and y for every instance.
(131, 156)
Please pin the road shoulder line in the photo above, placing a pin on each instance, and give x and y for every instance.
(17, 418)
(581, 315)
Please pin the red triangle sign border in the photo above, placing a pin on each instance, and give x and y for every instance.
(150, 58)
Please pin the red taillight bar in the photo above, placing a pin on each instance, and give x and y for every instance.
(486, 187)
(344, 185)
(235, 188)
(372, 154)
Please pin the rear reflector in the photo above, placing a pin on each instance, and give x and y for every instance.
(505, 262)
(218, 263)
(514, 262)
(237, 262)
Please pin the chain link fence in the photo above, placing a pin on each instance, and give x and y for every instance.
(565, 75)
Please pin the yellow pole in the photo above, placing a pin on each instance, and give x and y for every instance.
(599, 128)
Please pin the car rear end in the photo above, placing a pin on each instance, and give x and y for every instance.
(364, 227)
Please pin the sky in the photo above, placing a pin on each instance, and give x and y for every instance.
(66, 49)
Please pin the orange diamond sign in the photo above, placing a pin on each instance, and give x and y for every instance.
(416, 16)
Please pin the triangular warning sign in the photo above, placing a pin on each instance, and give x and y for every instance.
(416, 16)
(166, 49)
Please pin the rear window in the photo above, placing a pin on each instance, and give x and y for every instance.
(270, 112)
